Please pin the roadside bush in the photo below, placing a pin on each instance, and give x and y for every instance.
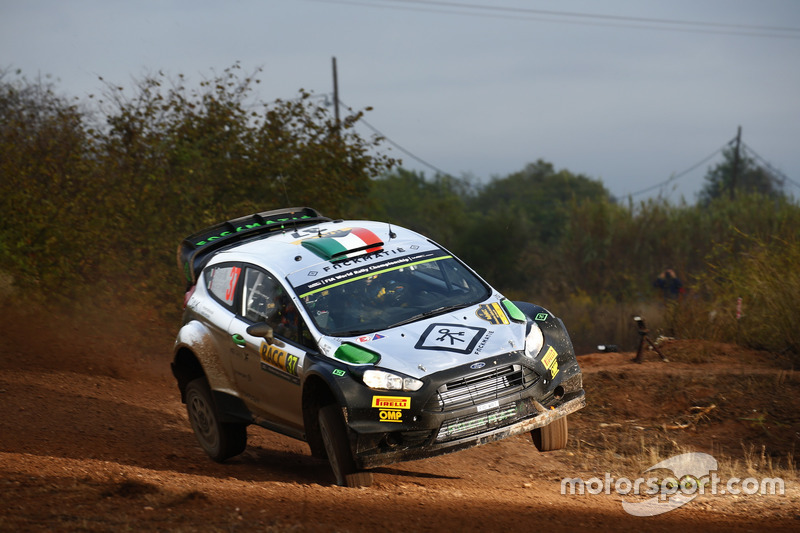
(102, 197)
(766, 277)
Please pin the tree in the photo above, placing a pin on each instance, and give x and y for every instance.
(541, 195)
(109, 194)
(735, 174)
(435, 208)
(46, 195)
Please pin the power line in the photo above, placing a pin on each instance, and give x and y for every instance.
(675, 177)
(778, 175)
(585, 19)
(390, 141)
(659, 185)
(648, 20)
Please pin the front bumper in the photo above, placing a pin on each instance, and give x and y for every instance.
(462, 408)
(373, 457)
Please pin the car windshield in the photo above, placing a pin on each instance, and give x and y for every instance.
(393, 296)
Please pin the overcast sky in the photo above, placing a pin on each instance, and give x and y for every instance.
(616, 90)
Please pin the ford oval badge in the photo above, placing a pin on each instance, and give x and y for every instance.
(476, 366)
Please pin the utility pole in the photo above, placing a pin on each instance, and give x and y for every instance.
(735, 173)
(335, 94)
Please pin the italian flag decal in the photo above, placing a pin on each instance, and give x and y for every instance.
(344, 244)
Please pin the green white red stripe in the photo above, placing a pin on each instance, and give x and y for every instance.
(344, 244)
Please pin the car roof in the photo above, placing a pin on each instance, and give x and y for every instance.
(291, 250)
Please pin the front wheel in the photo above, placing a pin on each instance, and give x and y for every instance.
(337, 447)
(551, 437)
(218, 439)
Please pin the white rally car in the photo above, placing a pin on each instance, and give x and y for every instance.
(368, 341)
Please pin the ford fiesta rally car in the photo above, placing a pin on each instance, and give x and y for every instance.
(368, 341)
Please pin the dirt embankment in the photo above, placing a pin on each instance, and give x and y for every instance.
(93, 437)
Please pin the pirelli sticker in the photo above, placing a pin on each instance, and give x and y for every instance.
(550, 361)
(391, 407)
(492, 313)
(391, 402)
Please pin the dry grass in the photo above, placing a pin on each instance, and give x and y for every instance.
(745, 416)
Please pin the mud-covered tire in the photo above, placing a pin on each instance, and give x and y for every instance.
(337, 448)
(218, 439)
(551, 437)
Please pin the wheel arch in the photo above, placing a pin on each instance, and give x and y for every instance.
(195, 355)
(186, 368)
(317, 393)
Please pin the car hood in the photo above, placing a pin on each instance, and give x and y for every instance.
(441, 342)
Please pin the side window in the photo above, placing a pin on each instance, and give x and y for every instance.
(265, 300)
(260, 296)
(221, 282)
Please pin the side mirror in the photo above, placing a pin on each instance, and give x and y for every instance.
(262, 329)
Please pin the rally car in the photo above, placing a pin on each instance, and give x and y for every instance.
(368, 341)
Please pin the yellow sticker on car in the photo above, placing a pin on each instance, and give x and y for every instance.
(492, 313)
(391, 402)
(277, 358)
(554, 369)
(549, 357)
(390, 415)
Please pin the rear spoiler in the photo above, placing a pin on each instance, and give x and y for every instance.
(194, 251)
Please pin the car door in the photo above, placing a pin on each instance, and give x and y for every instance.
(269, 374)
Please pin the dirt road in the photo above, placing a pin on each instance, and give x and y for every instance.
(93, 437)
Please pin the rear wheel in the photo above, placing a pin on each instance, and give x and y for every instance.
(337, 447)
(551, 437)
(218, 439)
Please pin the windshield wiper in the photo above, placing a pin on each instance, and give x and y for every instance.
(432, 312)
(351, 333)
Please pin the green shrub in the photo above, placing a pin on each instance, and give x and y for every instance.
(765, 275)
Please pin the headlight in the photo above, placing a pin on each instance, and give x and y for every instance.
(534, 341)
(378, 379)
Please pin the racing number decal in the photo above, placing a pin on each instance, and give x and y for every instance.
(234, 277)
(279, 362)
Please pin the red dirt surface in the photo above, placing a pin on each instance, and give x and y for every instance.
(93, 437)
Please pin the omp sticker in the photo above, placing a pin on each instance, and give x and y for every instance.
(540, 317)
(450, 338)
(554, 369)
(387, 415)
(274, 357)
(549, 357)
(391, 402)
(492, 313)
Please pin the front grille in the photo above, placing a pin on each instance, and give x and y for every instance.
(481, 387)
(478, 423)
